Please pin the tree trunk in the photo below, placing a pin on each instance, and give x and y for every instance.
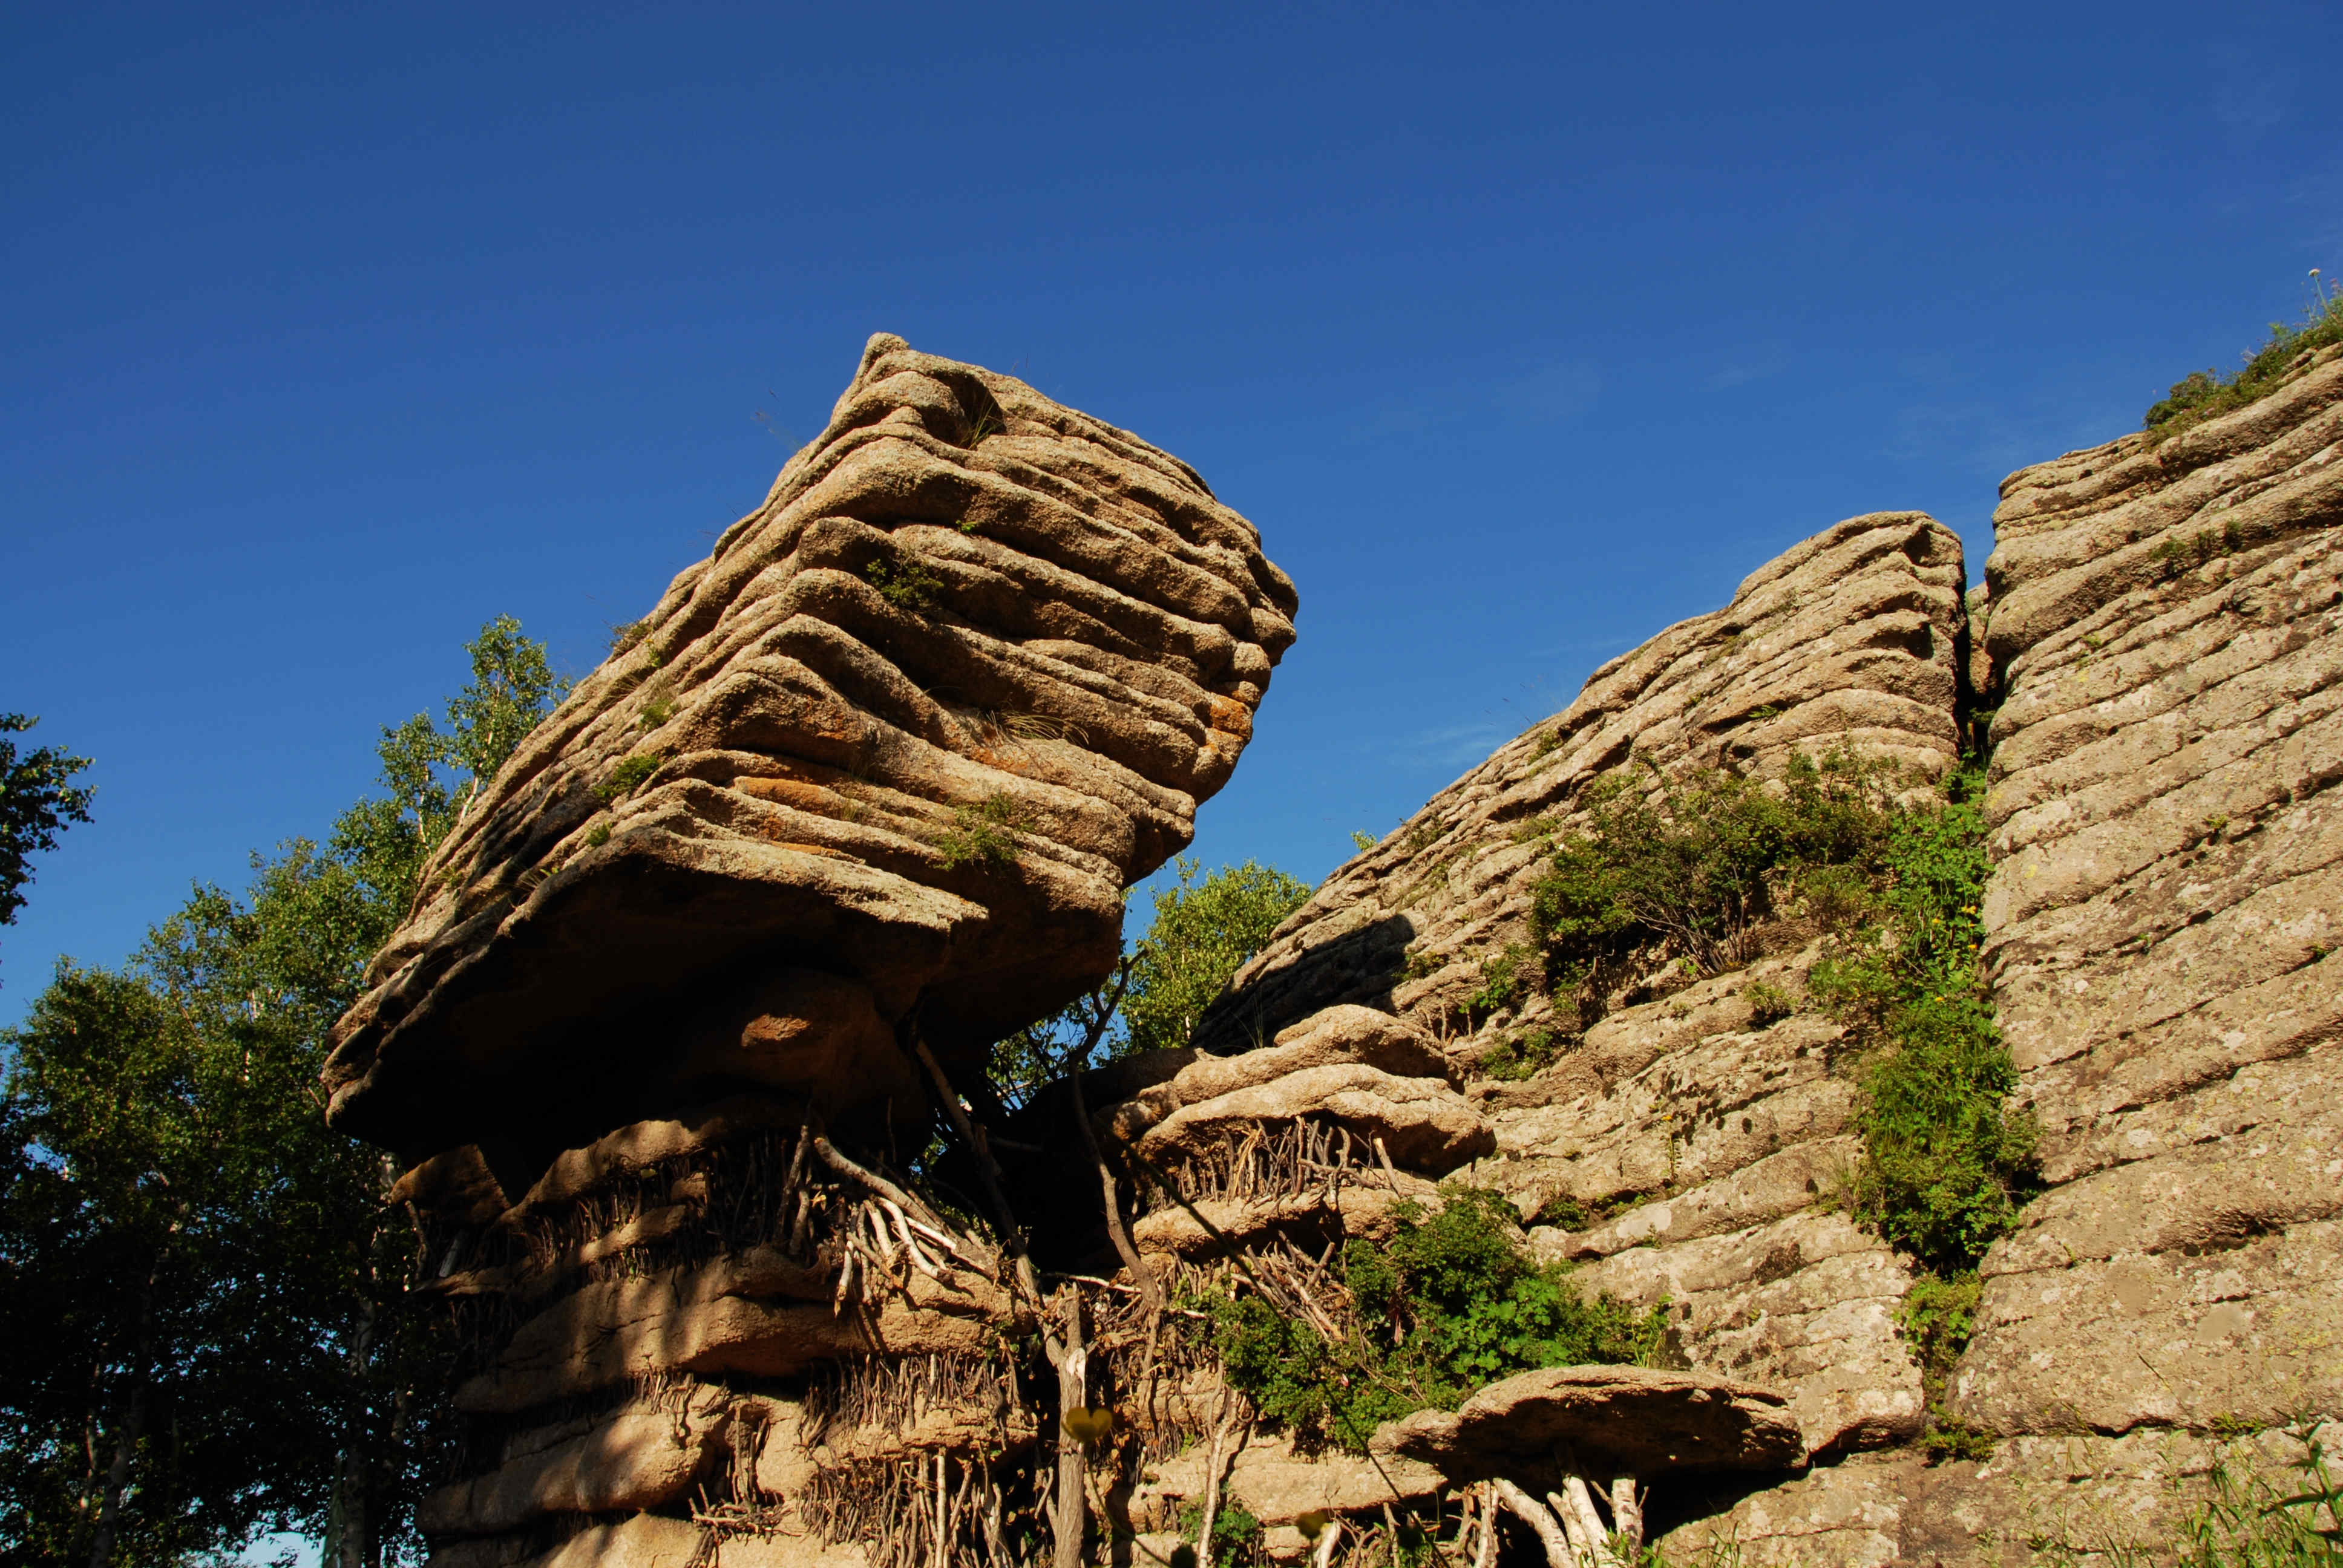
(1073, 1394)
(133, 1427)
(353, 1474)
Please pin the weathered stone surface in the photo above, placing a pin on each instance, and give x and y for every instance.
(1849, 638)
(1806, 1304)
(2079, 1497)
(721, 1318)
(915, 723)
(636, 1458)
(1361, 1208)
(1421, 1122)
(1599, 1421)
(2169, 623)
(1277, 1485)
(1340, 1036)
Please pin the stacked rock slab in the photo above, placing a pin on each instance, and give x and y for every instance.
(1683, 1150)
(1274, 1157)
(857, 798)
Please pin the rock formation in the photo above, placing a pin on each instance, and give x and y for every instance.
(2153, 653)
(859, 797)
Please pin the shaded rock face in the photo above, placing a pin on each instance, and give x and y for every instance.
(867, 783)
(1687, 1149)
(2167, 622)
(891, 752)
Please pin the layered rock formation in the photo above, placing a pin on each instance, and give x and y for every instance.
(859, 797)
(1685, 1149)
(2158, 633)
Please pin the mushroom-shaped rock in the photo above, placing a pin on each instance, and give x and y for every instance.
(1541, 1427)
(1337, 1036)
(1421, 1122)
(888, 755)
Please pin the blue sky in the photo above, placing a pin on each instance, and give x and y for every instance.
(1520, 331)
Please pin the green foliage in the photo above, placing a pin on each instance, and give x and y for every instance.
(655, 712)
(1936, 1318)
(1363, 842)
(1236, 1531)
(598, 836)
(1517, 1057)
(37, 797)
(1946, 1166)
(981, 834)
(626, 776)
(1689, 867)
(629, 634)
(1769, 1003)
(1203, 931)
(903, 582)
(173, 1206)
(2203, 394)
(1502, 980)
(1449, 1305)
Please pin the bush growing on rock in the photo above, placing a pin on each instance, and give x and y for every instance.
(1449, 1304)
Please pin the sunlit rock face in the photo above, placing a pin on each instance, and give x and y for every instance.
(2167, 621)
(867, 785)
(890, 753)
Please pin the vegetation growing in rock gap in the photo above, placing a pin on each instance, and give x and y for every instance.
(1945, 1165)
(904, 583)
(626, 776)
(982, 833)
(2203, 394)
(1516, 1057)
(1451, 1304)
(1688, 868)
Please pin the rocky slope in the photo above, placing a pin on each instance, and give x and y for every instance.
(858, 796)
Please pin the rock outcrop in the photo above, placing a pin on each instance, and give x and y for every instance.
(1686, 1148)
(2167, 623)
(2158, 633)
(859, 797)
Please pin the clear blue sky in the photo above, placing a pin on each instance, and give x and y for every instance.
(1519, 331)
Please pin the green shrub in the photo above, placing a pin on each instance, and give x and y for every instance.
(1205, 929)
(1517, 1057)
(1451, 1304)
(1769, 1003)
(1945, 1165)
(903, 582)
(599, 834)
(628, 776)
(984, 832)
(623, 637)
(2203, 394)
(1690, 867)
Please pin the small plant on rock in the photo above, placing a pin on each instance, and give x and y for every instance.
(984, 833)
(628, 776)
(904, 583)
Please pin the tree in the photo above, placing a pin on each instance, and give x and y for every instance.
(1201, 934)
(225, 1271)
(37, 797)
